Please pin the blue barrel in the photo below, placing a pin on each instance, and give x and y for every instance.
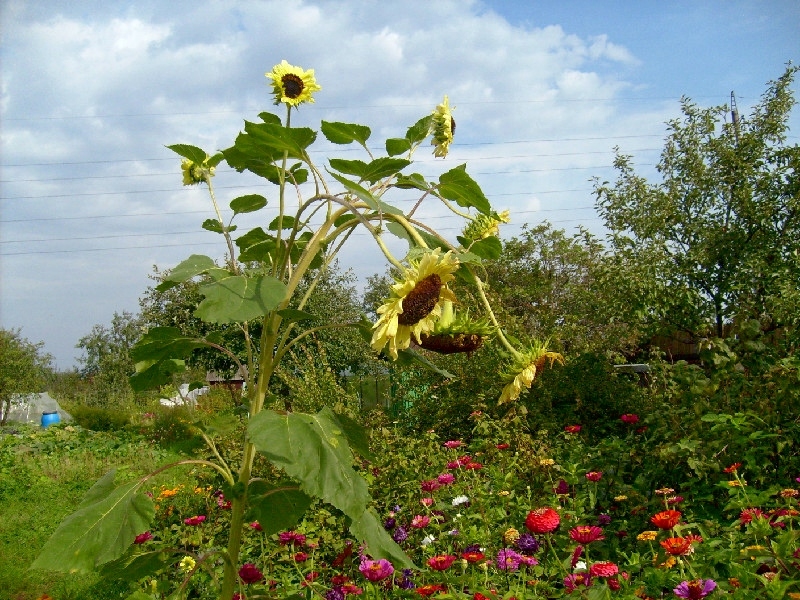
(48, 418)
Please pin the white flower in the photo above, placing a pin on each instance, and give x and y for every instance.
(460, 500)
(427, 540)
(580, 566)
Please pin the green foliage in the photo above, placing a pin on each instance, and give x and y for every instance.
(98, 418)
(24, 368)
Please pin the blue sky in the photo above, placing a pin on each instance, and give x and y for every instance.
(93, 91)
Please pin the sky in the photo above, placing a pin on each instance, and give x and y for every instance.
(92, 92)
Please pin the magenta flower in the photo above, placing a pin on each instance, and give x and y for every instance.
(452, 444)
(699, 588)
(586, 534)
(575, 579)
(143, 537)
(446, 478)
(441, 562)
(508, 560)
(256, 525)
(420, 521)
(291, 537)
(249, 573)
(630, 418)
(195, 521)
(594, 475)
(430, 485)
(375, 570)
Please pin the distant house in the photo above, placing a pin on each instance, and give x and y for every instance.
(233, 382)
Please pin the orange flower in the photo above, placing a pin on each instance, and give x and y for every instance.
(733, 468)
(542, 520)
(677, 546)
(666, 519)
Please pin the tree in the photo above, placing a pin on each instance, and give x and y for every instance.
(106, 360)
(719, 234)
(24, 367)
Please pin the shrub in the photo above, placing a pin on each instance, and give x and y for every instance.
(98, 418)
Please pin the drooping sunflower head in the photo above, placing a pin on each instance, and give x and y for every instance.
(456, 332)
(415, 301)
(524, 369)
(443, 128)
(292, 85)
(483, 226)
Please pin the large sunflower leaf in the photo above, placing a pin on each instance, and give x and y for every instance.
(277, 507)
(349, 167)
(369, 529)
(192, 266)
(345, 133)
(293, 140)
(365, 195)
(239, 298)
(248, 203)
(458, 186)
(159, 354)
(419, 130)
(101, 530)
(383, 167)
(193, 153)
(133, 567)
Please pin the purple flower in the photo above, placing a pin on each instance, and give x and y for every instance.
(508, 560)
(562, 489)
(406, 583)
(603, 519)
(696, 589)
(527, 543)
(335, 593)
(400, 534)
(389, 523)
(249, 573)
(375, 570)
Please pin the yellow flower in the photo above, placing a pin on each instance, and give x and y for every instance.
(443, 127)
(524, 370)
(291, 84)
(415, 302)
(735, 483)
(187, 564)
(621, 498)
(503, 493)
(647, 536)
(510, 536)
(483, 226)
(546, 462)
(194, 173)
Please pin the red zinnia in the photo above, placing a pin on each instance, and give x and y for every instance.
(143, 537)
(585, 534)
(195, 521)
(430, 589)
(249, 573)
(630, 418)
(441, 562)
(473, 557)
(503, 446)
(594, 475)
(677, 546)
(733, 468)
(300, 557)
(542, 520)
(666, 519)
(603, 569)
(572, 428)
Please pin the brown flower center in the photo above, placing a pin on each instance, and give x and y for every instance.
(452, 126)
(292, 85)
(420, 301)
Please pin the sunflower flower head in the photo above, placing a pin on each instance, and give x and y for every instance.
(524, 369)
(456, 332)
(443, 127)
(484, 226)
(292, 85)
(415, 302)
(194, 173)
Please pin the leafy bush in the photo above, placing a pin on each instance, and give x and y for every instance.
(97, 418)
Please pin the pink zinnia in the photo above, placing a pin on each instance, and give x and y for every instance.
(594, 475)
(249, 573)
(256, 525)
(603, 569)
(291, 537)
(143, 537)
(630, 418)
(420, 521)
(576, 579)
(586, 534)
(441, 562)
(430, 485)
(446, 478)
(452, 444)
(748, 514)
(195, 521)
(699, 588)
(375, 570)
(508, 560)
(542, 520)
(427, 501)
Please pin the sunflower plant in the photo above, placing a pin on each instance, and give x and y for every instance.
(258, 288)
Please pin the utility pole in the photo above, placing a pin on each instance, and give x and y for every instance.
(735, 117)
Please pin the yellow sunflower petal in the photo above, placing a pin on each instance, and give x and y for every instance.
(292, 85)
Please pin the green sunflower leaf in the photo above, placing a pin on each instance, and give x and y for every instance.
(193, 153)
(239, 298)
(349, 167)
(345, 133)
(489, 247)
(395, 146)
(419, 130)
(216, 226)
(284, 222)
(293, 140)
(413, 181)
(196, 264)
(458, 186)
(255, 245)
(365, 195)
(135, 566)
(291, 315)
(277, 507)
(102, 528)
(159, 354)
(248, 203)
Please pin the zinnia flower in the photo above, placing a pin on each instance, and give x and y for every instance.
(292, 85)
(677, 546)
(249, 573)
(143, 537)
(594, 476)
(452, 444)
(430, 589)
(647, 536)
(430, 485)
(400, 534)
(666, 519)
(630, 418)
(572, 428)
(415, 302)
(699, 588)
(195, 521)
(575, 579)
(291, 537)
(524, 369)
(473, 556)
(446, 478)
(527, 543)
(187, 564)
(375, 570)
(443, 126)
(542, 520)
(586, 534)
(441, 562)
(732, 469)
(748, 514)
(420, 521)
(511, 535)
(603, 569)
(508, 560)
